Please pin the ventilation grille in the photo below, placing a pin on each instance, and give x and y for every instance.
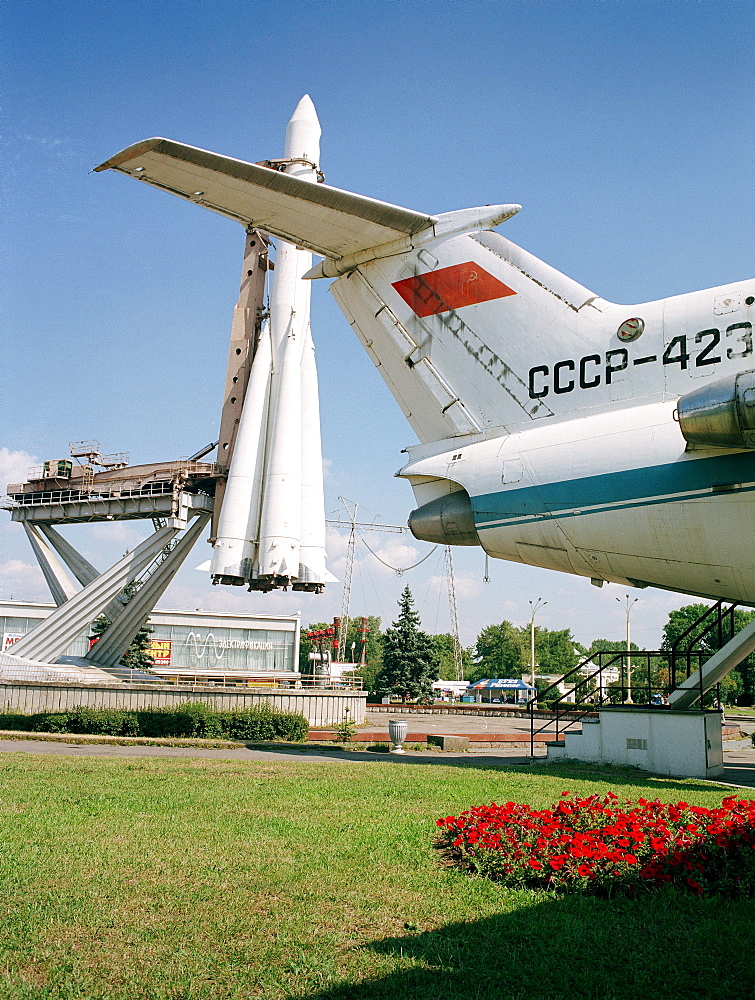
(633, 744)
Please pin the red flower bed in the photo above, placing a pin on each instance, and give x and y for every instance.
(599, 845)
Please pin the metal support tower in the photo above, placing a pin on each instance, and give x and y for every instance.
(57, 579)
(458, 663)
(245, 331)
(147, 571)
(351, 510)
(114, 642)
(54, 635)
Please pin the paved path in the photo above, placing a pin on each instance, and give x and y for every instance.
(739, 762)
(451, 724)
(476, 758)
(739, 756)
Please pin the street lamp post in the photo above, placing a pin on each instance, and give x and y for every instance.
(628, 605)
(540, 603)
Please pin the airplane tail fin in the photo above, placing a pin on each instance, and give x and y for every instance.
(450, 312)
(454, 329)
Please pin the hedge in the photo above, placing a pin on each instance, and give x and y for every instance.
(192, 719)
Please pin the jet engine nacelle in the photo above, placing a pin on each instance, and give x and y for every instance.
(720, 414)
(447, 520)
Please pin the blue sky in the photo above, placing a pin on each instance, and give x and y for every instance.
(623, 128)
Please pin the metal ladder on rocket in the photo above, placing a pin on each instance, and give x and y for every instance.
(269, 529)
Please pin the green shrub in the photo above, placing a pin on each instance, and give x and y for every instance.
(14, 721)
(345, 730)
(193, 719)
(265, 724)
(49, 722)
(251, 724)
(101, 721)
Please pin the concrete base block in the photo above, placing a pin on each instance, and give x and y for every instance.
(682, 744)
(449, 742)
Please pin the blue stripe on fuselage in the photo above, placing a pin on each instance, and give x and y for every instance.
(683, 480)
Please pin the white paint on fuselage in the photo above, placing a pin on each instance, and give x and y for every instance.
(611, 496)
(563, 435)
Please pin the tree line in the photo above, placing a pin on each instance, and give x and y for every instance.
(404, 660)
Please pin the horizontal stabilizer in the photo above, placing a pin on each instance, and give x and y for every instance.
(324, 219)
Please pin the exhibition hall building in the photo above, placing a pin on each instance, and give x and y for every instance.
(188, 645)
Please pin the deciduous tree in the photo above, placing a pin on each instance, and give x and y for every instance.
(444, 647)
(500, 652)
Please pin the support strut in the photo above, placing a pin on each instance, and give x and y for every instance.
(113, 643)
(54, 635)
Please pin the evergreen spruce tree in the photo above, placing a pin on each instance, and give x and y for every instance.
(410, 658)
(137, 656)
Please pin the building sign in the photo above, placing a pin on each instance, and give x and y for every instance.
(10, 639)
(243, 644)
(159, 650)
(204, 647)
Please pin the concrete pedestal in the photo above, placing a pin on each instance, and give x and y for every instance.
(660, 740)
(448, 742)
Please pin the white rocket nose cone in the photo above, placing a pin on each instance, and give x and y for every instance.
(306, 109)
(303, 131)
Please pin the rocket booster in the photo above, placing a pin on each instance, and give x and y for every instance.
(235, 550)
(312, 547)
(271, 529)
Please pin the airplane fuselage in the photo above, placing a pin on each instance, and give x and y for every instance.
(610, 489)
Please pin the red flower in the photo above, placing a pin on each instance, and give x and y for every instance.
(516, 842)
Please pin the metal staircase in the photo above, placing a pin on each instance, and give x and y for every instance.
(660, 673)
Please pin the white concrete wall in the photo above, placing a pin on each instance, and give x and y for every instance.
(319, 707)
(682, 744)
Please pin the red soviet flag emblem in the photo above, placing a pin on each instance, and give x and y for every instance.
(450, 288)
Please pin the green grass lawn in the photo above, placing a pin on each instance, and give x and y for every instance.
(189, 879)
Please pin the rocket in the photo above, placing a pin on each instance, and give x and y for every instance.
(271, 527)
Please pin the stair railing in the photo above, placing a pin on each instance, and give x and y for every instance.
(717, 613)
(589, 680)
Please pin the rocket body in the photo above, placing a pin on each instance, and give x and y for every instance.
(312, 548)
(271, 530)
(280, 527)
(235, 550)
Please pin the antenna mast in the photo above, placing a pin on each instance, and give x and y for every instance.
(351, 510)
(458, 664)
